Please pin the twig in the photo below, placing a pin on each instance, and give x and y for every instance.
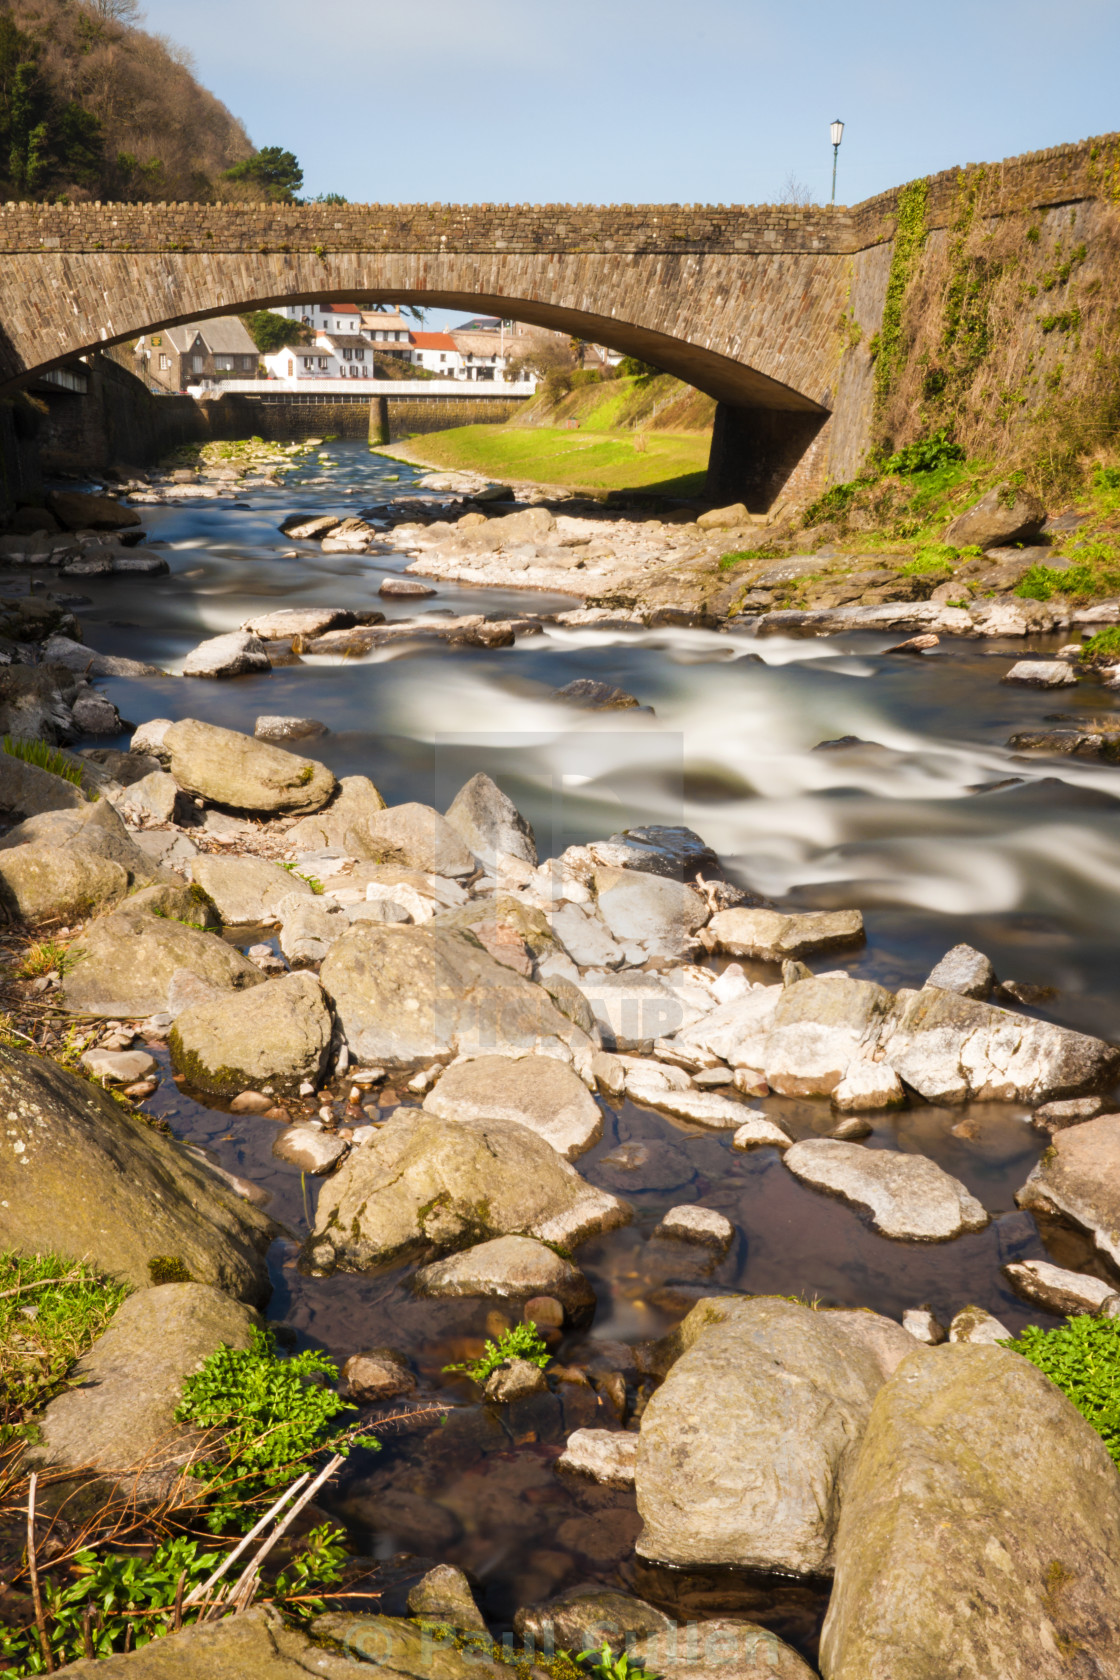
(231, 1557)
(246, 1586)
(42, 1283)
(177, 1620)
(87, 1637)
(33, 1572)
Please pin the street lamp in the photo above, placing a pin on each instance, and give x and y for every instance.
(837, 133)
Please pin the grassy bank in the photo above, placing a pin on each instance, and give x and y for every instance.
(662, 463)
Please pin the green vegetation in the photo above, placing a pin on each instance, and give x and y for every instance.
(728, 562)
(273, 174)
(522, 1342)
(936, 557)
(606, 1666)
(272, 1416)
(909, 239)
(1083, 1358)
(51, 1310)
(927, 455)
(312, 880)
(1095, 572)
(670, 464)
(270, 331)
(906, 490)
(48, 956)
(44, 757)
(1104, 646)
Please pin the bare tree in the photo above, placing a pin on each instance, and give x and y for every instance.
(117, 11)
(795, 192)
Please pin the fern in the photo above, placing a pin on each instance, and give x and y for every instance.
(1083, 1358)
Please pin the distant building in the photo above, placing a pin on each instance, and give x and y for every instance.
(176, 357)
(323, 317)
(341, 355)
(437, 352)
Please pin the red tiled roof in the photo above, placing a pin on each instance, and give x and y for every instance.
(343, 309)
(433, 341)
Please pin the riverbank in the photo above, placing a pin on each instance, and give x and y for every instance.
(667, 464)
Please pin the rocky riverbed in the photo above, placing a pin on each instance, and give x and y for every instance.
(737, 1009)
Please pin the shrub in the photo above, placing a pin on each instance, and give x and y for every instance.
(925, 456)
(1096, 574)
(833, 504)
(938, 557)
(44, 757)
(1105, 645)
(522, 1342)
(1083, 1358)
(632, 367)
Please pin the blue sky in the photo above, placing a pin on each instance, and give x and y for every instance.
(624, 101)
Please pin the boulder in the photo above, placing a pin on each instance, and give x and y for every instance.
(1056, 1116)
(78, 510)
(401, 1648)
(965, 971)
(760, 1132)
(288, 729)
(93, 714)
(905, 1196)
(304, 527)
(722, 1648)
(1078, 1179)
(82, 1176)
(819, 1028)
(977, 1325)
(150, 740)
(539, 1092)
(117, 1413)
(246, 890)
(1042, 673)
(980, 1531)
(737, 1032)
(586, 937)
(955, 1049)
(228, 768)
(63, 650)
(632, 1010)
(517, 1379)
(341, 823)
(1005, 514)
(95, 829)
(606, 1456)
(131, 958)
(731, 518)
(420, 1184)
(256, 1645)
(693, 1224)
(286, 622)
(507, 1269)
(745, 1449)
(34, 702)
(310, 1148)
(650, 915)
(1059, 1291)
(444, 1596)
(920, 1323)
(153, 796)
(868, 1085)
(590, 696)
(589, 1617)
(702, 1108)
(309, 926)
(771, 936)
(277, 1034)
(37, 882)
(489, 823)
(419, 838)
(379, 1374)
(405, 995)
(236, 654)
(27, 791)
(119, 1067)
(405, 587)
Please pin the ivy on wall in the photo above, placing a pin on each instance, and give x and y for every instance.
(909, 241)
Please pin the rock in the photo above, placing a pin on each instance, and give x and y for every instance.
(724, 519)
(632, 1011)
(645, 1164)
(955, 1049)
(78, 510)
(694, 1224)
(256, 1645)
(920, 1323)
(586, 937)
(745, 1449)
(246, 890)
(287, 622)
(27, 791)
(650, 915)
(1056, 1116)
(309, 927)
(539, 1092)
(38, 882)
(153, 796)
(406, 995)
(666, 849)
(278, 1034)
(399, 586)
(759, 1132)
(288, 729)
(821, 1028)
(964, 971)
(380, 1374)
(95, 715)
(1042, 673)
(517, 1379)
(117, 1413)
(61, 650)
(907, 1196)
(1078, 1178)
(310, 1149)
(132, 958)
(1057, 1290)
(770, 936)
(421, 1185)
(973, 1324)
(508, 1268)
(119, 1067)
(868, 1085)
(737, 1032)
(703, 1108)
(251, 1102)
(236, 654)
(606, 1456)
(149, 740)
(977, 1485)
(1005, 514)
(419, 838)
(589, 1617)
(591, 696)
(82, 1176)
(228, 768)
(489, 823)
(731, 1649)
(444, 1595)
(305, 529)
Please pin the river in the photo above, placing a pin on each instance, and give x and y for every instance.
(928, 823)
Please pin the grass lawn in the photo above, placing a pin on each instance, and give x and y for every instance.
(670, 464)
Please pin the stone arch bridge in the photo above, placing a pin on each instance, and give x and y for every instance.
(756, 306)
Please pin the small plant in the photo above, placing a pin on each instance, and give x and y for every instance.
(1083, 1358)
(522, 1342)
(47, 956)
(51, 1310)
(43, 757)
(925, 456)
(606, 1666)
(313, 882)
(319, 1564)
(272, 1416)
(727, 562)
(938, 557)
(1104, 646)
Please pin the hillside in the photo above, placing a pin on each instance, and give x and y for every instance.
(653, 403)
(95, 108)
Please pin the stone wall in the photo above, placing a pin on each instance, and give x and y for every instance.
(315, 417)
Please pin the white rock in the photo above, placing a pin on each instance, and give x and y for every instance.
(659, 916)
(920, 1323)
(152, 796)
(607, 1456)
(907, 1196)
(965, 971)
(419, 906)
(1042, 673)
(632, 1010)
(585, 936)
(772, 936)
(1056, 1289)
(642, 1072)
(309, 927)
(120, 1067)
(233, 655)
(311, 1150)
(868, 1085)
(148, 739)
(820, 1028)
(703, 1108)
(736, 1032)
(697, 1225)
(760, 1132)
(973, 1324)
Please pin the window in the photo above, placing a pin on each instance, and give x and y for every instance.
(165, 363)
(347, 353)
(197, 363)
(442, 358)
(354, 371)
(292, 367)
(224, 364)
(359, 355)
(307, 362)
(324, 361)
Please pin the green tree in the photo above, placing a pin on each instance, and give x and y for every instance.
(271, 332)
(276, 172)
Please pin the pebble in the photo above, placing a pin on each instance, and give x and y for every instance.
(119, 1066)
(250, 1102)
(698, 1225)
